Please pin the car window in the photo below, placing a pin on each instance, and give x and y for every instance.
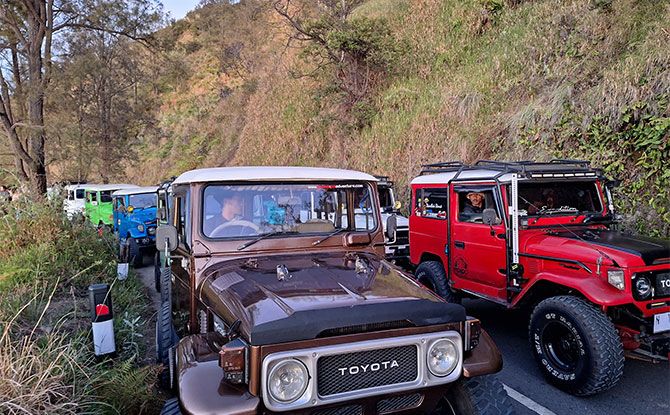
(143, 200)
(79, 193)
(70, 195)
(431, 203)
(473, 201)
(245, 210)
(118, 202)
(93, 196)
(106, 196)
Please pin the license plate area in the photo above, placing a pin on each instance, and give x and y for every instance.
(661, 322)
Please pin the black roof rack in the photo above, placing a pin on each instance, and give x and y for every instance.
(384, 180)
(523, 167)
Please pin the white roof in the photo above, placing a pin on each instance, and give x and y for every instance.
(76, 186)
(260, 173)
(135, 191)
(483, 174)
(103, 187)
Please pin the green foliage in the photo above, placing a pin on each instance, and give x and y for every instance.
(46, 359)
(634, 147)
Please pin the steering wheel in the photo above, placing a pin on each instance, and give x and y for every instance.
(241, 223)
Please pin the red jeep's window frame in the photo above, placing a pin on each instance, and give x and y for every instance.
(431, 202)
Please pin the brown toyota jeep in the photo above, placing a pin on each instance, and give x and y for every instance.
(280, 301)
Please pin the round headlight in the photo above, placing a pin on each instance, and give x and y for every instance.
(442, 357)
(643, 287)
(140, 228)
(288, 381)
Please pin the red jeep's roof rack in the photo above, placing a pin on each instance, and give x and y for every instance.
(552, 168)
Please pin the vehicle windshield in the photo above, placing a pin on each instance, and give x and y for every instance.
(79, 194)
(231, 211)
(106, 196)
(143, 200)
(558, 198)
(386, 199)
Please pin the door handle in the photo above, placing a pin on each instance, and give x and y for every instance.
(459, 244)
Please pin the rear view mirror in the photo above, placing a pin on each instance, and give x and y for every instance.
(490, 217)
(166, 235)
(391, 226)
(130, 209)
(614, 183)
(397, 205)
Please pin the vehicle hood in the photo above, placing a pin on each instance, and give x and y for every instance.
(146, 216)
(587, 245)
(324, 292)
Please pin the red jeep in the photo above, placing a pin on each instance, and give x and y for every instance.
(541, 235)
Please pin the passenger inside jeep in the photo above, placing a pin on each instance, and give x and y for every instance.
(471, 204)
(247, 210)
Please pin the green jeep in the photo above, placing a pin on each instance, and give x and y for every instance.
(98, 202)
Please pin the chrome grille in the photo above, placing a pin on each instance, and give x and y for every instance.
(398, 403)
(368, 369)
(344, 410)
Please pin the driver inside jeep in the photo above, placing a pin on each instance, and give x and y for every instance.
(231, 211)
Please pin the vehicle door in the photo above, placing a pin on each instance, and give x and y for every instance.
(479, 253)
(120, 222)
(180, 263)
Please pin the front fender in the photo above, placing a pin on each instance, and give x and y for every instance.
(200, 381)
(595, 289)
(484, 359)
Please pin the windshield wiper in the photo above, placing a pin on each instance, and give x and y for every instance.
(328, 236)
(260, 238)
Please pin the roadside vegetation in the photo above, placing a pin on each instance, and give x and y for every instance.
(47, 365)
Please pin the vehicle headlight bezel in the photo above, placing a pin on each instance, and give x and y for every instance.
(445, 344)
(642, 279)
(616, 278)
(274, 372)
(140, 227)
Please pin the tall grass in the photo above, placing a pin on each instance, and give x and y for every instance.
(47, 365)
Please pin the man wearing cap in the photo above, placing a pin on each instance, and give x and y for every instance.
(475, 203)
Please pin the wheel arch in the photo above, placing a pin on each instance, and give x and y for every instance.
(593, 289)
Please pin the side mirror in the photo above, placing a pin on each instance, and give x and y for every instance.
(160, 212)
(167, 235)
(397, 205)
(391, 226)
(130, 209)
(490, 217)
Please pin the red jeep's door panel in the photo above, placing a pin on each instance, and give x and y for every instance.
(478, 251)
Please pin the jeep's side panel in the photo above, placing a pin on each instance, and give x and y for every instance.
(428, 234)
(478, 251)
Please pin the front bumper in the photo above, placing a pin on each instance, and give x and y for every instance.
(203, 391)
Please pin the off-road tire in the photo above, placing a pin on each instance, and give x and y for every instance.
(157, 272)
(432, 275)
(590, 335)
(165, 284)
(482, 395)
(165, 333)
(135, 256)
(171, 407)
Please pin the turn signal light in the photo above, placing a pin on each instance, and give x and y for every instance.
(471, 333)
(233, 360)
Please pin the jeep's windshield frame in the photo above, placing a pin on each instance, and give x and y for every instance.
(286, 209)
(560, 198)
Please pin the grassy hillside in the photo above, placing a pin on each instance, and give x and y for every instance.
(465, 79)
